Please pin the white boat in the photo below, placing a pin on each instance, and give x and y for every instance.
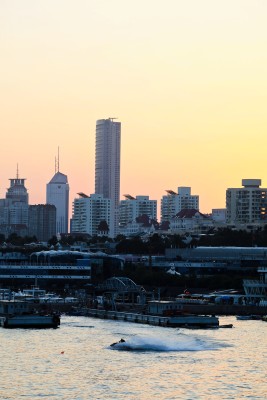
(16, 314)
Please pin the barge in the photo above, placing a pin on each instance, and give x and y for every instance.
(17, 314)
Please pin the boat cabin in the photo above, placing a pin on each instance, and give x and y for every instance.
(157, 307)
(13, 307)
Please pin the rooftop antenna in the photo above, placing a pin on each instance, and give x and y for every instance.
(17, 171)
(58, 159)
(55, 165)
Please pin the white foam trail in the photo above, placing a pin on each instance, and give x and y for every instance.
(182, 343)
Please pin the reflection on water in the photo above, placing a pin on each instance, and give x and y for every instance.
(77, 362)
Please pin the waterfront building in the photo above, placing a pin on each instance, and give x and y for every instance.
(58, 269)
(247, 205)
(42, 221)
(89, 214)
(57, 194)
(173, 202)
(133, 207)
(107, 163)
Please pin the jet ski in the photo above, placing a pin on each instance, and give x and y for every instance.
(120, 341)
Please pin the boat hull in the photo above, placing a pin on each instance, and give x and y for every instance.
(31, 321)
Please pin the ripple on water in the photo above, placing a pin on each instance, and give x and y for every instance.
(76, 362)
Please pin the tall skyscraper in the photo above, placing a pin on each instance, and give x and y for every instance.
(57, 193)
(14, 208)
(107, 163)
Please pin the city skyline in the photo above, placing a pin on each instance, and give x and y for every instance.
(188, 86)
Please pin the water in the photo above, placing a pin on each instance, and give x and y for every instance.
(76, 361)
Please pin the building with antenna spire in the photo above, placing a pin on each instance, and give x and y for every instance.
(57, 194)
(14, 208)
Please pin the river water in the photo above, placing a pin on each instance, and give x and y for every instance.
(76, 361)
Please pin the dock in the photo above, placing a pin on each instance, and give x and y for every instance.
(200, 321)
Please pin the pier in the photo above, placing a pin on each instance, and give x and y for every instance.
(204, 321)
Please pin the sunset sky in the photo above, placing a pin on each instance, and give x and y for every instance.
(187, 79)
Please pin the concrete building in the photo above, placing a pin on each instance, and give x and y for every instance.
(173, 202)
(42, 221)
(133, 207)
(89, 214)
(107, 163)
(14, 208)
(218, 215)
(190, 221)
(57, 193)
(247, 205)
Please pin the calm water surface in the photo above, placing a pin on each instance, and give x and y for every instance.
(76, 362)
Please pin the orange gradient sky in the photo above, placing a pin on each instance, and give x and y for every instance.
(187, 80)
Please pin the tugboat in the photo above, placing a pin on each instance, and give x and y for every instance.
(17, 314)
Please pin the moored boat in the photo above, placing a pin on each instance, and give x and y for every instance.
(16, 314)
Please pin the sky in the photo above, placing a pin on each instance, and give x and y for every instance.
(186, 79)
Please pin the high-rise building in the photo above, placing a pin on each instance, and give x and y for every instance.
(107, 163)
(247, 205)
(14, 208)
(133, 207)
(42, 221)
(90, 214)
(173, 202)
(57, 193)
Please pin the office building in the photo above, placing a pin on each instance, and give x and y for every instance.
(42, 221)
(57, 194)
(14, 208)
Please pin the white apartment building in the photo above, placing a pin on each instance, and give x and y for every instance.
(173, 202)
(57, 194)
(219, 215)
(88, 212)
(107, 163)
(133, 207)
(247, 205)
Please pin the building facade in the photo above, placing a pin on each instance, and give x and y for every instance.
(57, 194)
(42, 221)
(89, 214)
(246, 205)
(107, 163)
(173, 202)
(133, 207)
(190, 221)
(14, 208)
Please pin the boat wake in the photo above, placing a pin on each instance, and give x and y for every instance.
(182, 343)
